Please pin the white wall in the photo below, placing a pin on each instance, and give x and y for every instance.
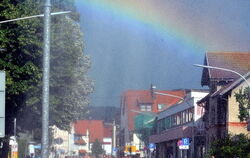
(107, 147)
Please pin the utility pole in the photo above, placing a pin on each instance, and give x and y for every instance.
(114, 138)
(46, 69)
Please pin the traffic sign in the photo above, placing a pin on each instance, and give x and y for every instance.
(185, 141)
(151, 146)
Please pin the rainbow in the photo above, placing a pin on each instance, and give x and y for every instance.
(161, 19)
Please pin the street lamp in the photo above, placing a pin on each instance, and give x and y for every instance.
(152, 89)
(223, 69)
(229, 70)
(46, 58)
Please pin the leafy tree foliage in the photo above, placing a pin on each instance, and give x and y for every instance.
(22, 42)
(243, 98)
(97, 148)
(231, 146)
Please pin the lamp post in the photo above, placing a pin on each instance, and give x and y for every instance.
(46, 58)
(229, 70)
(46, 69)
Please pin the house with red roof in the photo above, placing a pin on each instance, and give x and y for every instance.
(221, 108)
(135, 102)
(86, 132)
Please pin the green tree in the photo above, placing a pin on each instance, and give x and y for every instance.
(243, 98)
(231, 146)
(22, 41)
(97, 148)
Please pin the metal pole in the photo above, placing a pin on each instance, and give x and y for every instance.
(46, 68)
(223, 69)
(15, 128)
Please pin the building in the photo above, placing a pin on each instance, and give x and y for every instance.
(135, 102)
(85, 132)
(182, 120)
(221, 108)
(60, 142)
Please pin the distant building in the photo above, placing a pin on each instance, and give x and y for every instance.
(135, 102)
(60, 141)
(182, 120)
(85, 132)
(221, 108)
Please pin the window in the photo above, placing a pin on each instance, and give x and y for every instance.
(183, 117)
(168, 122)
(145, 107)
(173, 117)
(186, 116)
(191, 114)
(178, 118)
(161, 106)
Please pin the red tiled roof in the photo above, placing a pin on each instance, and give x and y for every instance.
(237, 61)
(82, 151)
(108, 131)
(134, 97)
(95, 128)
(80, 142)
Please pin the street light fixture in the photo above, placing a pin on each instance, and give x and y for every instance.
(152, 89)
(229, 70)
(223, 69)
(46, 69)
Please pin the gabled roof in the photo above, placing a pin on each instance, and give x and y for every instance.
(94, 127)
(231, 86)
(236, 61)
(133, 98)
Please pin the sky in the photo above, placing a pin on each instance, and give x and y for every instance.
(136, 43)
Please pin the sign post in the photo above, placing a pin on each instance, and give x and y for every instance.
(2, 104)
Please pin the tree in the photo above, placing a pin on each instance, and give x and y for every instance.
(231, 146)
(243, 98)
(23, 42)
(97, 148)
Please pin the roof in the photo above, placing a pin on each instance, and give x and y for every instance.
(108, 131)
(95, 128)
(132, 98)
(230, 86)
(80, 142)
(236, 61)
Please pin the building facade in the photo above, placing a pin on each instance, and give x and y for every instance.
(135, 102)
(182, 120)
(221, 108)
(86, 132)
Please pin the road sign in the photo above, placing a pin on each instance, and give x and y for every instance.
(183, 143)
(151, 146)
(115, 149)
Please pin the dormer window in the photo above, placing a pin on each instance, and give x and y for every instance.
(161, 106)
(145, 107)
